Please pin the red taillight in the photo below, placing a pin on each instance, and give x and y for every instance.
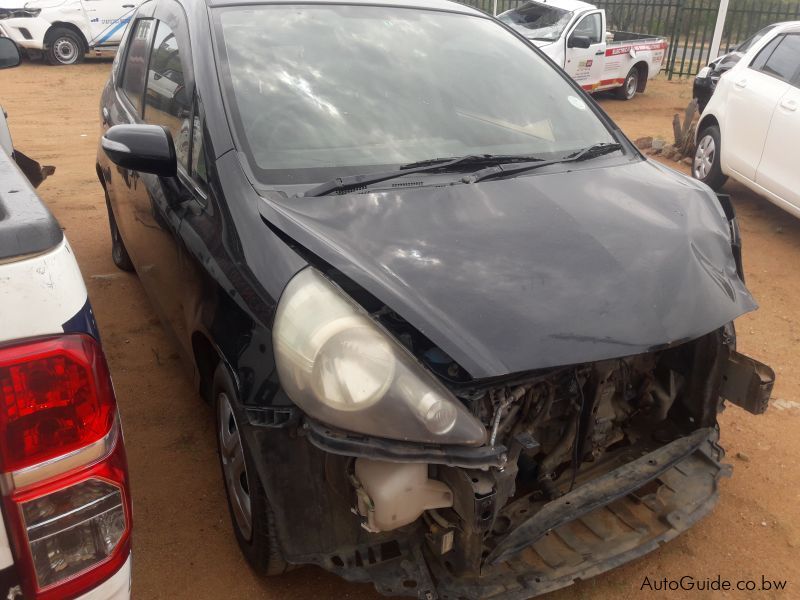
(65, 482)
(56, 397)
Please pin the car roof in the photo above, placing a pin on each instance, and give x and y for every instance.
(786, 26)
(441, 5)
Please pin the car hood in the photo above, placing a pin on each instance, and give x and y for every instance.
(537, 271)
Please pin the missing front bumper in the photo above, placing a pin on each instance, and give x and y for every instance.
(602, 538)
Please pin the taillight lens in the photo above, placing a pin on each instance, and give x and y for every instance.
(56, 397)
(65, 479)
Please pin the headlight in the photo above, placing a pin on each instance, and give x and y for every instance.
(342, 368)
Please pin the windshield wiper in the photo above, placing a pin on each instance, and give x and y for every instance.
(513, 168)
(343, 184)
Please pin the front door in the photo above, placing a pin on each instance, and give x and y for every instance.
(778, 171)
(107, 19)
(585, 65)
(150, 209)
(753, 93)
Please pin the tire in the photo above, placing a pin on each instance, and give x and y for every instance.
(706, 166)
(119, 254)
(65, 47)
(255, 533)
(631, 85)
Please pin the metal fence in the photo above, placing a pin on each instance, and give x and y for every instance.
(688, 24)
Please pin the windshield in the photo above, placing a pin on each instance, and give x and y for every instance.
(323, 91)
(751, 41)
(538, 21)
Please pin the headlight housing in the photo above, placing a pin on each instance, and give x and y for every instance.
(342, 368)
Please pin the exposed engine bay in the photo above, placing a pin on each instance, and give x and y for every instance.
(578, 451)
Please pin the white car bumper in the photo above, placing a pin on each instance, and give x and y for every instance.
(27, 32)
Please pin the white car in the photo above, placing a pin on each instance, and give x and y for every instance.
(750, 128)
(65, 30)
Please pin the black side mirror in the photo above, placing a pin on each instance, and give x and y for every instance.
(9, 53)
(579, 41)
(143, 148)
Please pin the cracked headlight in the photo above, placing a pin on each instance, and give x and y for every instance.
(343, 369)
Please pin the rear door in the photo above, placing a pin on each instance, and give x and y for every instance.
(585, 65)
(779, 170)
(753, 93)
(107, 19)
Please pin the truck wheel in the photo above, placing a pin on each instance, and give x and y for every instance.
(706, 166)
(628, 89)
(119, 254)
(251, 514)
(65, 47)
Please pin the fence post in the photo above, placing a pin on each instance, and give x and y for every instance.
(494, 8)
(717, 39)
(673, 48)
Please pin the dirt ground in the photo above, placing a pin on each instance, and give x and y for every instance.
(183, 543)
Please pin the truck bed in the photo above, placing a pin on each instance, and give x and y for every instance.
(26, 225)
(629, 36)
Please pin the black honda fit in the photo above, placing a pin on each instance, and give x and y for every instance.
(462, 339)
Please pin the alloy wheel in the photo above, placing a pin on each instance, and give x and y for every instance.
(704, 157)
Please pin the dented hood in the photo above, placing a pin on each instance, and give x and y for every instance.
(536, 271)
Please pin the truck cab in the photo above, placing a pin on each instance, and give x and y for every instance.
(63, 31)
(575, 36)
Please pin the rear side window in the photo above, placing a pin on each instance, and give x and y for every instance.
(133, 77)
(167, 102)
(590, 27)
(780, 58)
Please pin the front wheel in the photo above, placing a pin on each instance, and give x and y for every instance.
(65, 47)
(706, 165)
(631, 85)
(251, 513)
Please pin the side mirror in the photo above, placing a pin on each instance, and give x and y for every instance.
(579, 41)
(143, 148)
(9, 53)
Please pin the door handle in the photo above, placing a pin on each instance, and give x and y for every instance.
(789, 105)
(741, 84)
(128, 6)
(600, 53)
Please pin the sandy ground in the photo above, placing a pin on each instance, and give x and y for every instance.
(183, 543)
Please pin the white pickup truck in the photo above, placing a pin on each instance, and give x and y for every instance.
(65, 505)
(65, 30)
(574, 35)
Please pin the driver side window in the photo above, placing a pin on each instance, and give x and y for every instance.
(591, 26)
(167, 101)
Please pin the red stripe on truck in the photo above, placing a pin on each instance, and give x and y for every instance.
(660, 45)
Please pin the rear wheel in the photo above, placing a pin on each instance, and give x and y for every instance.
(631, 85)
(706, 166)
(65, 47)
(251, 513)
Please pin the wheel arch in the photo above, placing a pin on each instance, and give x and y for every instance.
(48, 37)
(705, 122)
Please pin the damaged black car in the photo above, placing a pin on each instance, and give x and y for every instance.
(461, 338)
